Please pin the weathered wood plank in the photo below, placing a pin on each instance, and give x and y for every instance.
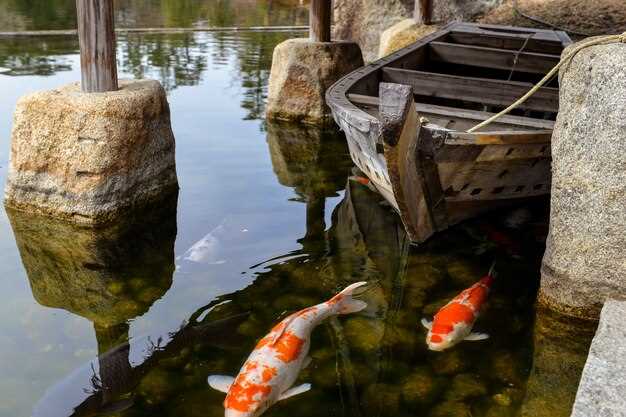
(423, 14)
(454, 112)
(495, 180)
(477, 90)
(492, 138)
(400, 128)
(319, 20)
(96, 37)
(537, 42)
(482, 57)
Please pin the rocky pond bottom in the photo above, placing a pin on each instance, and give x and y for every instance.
(373, 363)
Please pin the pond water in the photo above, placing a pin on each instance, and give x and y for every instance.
(283, 229)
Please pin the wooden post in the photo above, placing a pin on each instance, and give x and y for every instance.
(319, 20)
(423, 12)
(96, 37)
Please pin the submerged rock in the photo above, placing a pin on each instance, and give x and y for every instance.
(466, 386)
(464, 273)
(382, 398)
(505, 366)
(421, 387)
(451, 409)
(450, 362)
(364, 334)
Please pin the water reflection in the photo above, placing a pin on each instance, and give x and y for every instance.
(37, 56)
(176, 60)
(61, 14)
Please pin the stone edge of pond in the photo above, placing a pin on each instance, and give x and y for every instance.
(603, 382)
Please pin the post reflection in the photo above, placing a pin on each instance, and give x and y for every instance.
(107, 276)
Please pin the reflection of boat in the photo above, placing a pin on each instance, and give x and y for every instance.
(406, 115)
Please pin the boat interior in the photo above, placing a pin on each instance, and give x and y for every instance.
(467, 72)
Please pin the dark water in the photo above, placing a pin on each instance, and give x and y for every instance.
(61, 14)
(284, 230)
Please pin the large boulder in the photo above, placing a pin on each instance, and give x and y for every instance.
(402, 34)
(363, 21)
(584, 260)
(87, 157)
(302, 71)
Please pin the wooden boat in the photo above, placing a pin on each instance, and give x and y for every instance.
(405, 117)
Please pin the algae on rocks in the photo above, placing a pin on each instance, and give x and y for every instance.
(87, 157)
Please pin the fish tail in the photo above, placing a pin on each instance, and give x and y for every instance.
(492, 271)
(345, 303)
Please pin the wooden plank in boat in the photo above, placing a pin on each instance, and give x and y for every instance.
(507, 38)
(477, 90)
(493, 138)
(454, 112)
(509, 152)
(494, 180)
(479, 56)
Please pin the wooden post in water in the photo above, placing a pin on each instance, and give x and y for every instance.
(423, 12)
(319, 20)
(96, 37)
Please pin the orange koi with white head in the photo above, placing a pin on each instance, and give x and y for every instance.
(273, 366)
(453, 323)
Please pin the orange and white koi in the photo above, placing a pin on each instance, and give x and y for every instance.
(453, 323)
(273, 366)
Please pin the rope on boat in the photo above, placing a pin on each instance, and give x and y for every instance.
(602, 40)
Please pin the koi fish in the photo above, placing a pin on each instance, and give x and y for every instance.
(273, 366)
(453, 323)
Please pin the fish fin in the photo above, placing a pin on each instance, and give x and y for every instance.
(116, 407)
(221, 382)
(347, 304)
(294, 391)
(287, 322)
(476, 336)
(427, 324)
(492, 271)
(306, 362)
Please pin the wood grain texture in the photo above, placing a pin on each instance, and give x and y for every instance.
(476, 90)
(96, 35)
(483, 57)
(423, 14)
(319, 20)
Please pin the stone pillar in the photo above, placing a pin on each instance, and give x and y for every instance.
(88, 157)
(585, 260)
(302, 71)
